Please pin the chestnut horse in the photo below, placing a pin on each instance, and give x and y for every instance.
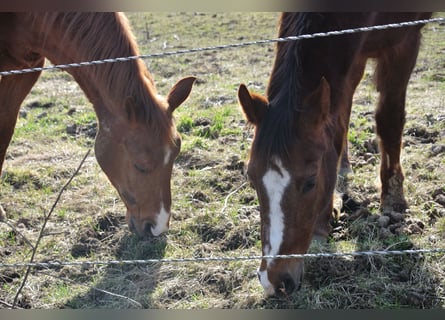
(301, 128)
(137, 141)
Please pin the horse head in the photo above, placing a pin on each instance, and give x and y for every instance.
(138, 157)
(294, 187)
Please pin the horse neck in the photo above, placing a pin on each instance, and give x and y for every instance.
(79, 37)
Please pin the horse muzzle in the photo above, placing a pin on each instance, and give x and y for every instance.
(145, 228)
(281, 283)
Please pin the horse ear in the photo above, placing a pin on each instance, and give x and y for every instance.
(179, 92)
(318, 102)
(135, 112)
(254, 105)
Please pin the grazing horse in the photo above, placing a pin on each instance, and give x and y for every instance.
(301, 128)
(137, 141)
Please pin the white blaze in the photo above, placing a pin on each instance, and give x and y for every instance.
(163, 216)
(275, 182)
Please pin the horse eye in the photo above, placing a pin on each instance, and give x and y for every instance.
(309, 184)
(140, 168)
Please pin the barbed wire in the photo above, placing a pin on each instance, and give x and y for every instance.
(52, 264)
(226, 46)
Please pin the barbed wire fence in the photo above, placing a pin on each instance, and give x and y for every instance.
(227, 46)
(56, 264)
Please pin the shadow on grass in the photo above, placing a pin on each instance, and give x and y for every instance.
(128, 285)
(365, 282)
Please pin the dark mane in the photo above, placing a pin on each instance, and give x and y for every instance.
(108, 35)
(284, 89)
(299, 66)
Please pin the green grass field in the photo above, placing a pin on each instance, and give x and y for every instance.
(215, 211)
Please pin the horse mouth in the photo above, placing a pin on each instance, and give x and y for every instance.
(141, 228)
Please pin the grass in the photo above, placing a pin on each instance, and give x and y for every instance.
(215, 211)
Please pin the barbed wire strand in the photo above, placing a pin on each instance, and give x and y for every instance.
(53, 264)
(226, 46)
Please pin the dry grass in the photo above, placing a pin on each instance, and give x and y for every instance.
(215, 210)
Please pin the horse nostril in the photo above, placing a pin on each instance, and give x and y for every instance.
(147, 229)
(141, 229)
(287, 284)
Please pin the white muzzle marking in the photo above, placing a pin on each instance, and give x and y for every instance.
(161, 222)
